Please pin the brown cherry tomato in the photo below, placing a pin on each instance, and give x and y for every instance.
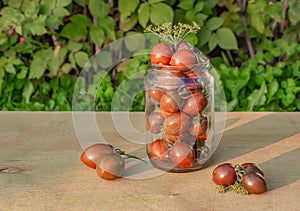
(154, 122)
(195, 104)
(198, 127)
(161, 53)
(224, 174)
(252, 167)
(91, 154)
(110, 166)
(158, 149)
(156, 93)
(182, 154)
(168, 80)
(169, 103)
(254, 183)
(176, 123)
(183, 60)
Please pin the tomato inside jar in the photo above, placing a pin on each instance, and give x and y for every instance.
(180, 138)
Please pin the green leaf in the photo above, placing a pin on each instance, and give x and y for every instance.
(257, 97)
(272, 89)
(215, 23)
(74, 46)
(274, 10)
(97, 35)
(293, 12)
(134, 41)
(81, 21)
(28, 91)
(154, 1)
(63, 3)
(161, 13)
(203, 36)
(226, 39)
(186, 4)
(37, 68)
(257, 22)
(60, 12)
(127, 7)
(199, 6)
(10, 69)
(129, 22)
(37, 29)
(73, 31)
(53, 66)
(103, 58)
(213, 41)
(81, 58)
(99, 8)
(53, 22)
(144, 14)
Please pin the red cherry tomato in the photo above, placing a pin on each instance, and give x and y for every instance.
(224, 174)
(154, 122)
(110, 166)
(11, 32)
(22, 40)
(252, 167)
(174, 138)
(195, 104)
(183, 60)
(92, 154)
(156, 93)
(169, 103)
(158, 149)
(161, 53)
(182, 155)
(254, 183)
(176, 123)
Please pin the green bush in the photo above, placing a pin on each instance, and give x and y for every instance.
(44, 44)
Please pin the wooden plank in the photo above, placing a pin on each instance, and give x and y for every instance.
(46, 147)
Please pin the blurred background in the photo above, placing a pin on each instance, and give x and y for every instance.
(44, 44)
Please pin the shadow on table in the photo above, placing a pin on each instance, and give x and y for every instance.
(282, 170)
(254, 135)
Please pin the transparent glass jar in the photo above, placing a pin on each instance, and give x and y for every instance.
(179, 113)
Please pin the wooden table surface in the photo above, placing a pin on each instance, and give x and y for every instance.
(42, 150)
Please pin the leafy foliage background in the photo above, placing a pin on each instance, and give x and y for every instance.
(252, 44)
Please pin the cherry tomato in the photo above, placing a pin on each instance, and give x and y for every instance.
(182, 155)
(158, 149)
(198, 128)
(11, 32)
(168, 80)
(195, 104)
(176, 123)
(22, 40)
(169, 103)
(254, 183)
(183, 60)
(164, 113)
(91, 154)
(174, 138)
(154, 122)
(110, 166)
(252, 167)
(183, 45)
(224, 174)
(161, 53)
(156, 93)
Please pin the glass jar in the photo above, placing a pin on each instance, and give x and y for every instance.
(180, 119)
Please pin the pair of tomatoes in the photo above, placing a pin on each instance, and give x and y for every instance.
(182, 59)
(249, 175)
(109, 165)
(181, 154)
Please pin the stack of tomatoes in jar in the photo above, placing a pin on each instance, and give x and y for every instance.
(178, 107)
